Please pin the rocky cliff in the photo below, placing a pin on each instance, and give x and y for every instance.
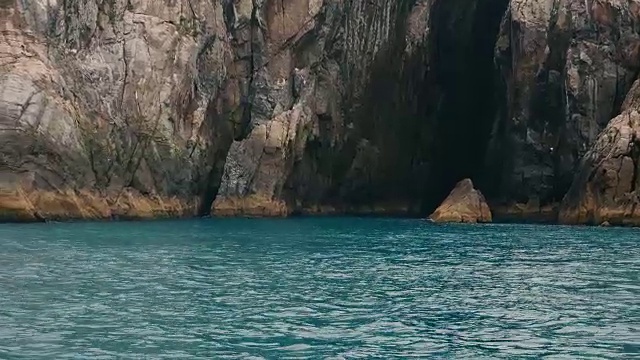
(140, 108)
(565, 68)
(605, 189)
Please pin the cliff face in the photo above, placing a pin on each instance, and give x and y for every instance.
(605, 188)
(146, 108)
(140, 108)
(99, 111)
(566, 67)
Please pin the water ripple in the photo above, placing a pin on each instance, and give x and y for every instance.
(317, 288)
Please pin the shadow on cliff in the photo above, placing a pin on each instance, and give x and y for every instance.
(412, 121)
(421, 121)
(462, 88)
(368, 156)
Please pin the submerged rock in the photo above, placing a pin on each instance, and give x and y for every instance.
(531, 212)
(464, 204)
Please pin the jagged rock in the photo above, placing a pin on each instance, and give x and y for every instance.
(605, 189)
(565, 67)
(463, 205)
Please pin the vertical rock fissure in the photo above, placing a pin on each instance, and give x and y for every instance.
(635, 155)
(247, 106)
(227, 126)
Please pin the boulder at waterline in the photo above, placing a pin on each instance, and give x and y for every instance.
(464, 204)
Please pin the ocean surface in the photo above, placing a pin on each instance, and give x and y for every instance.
(326, 288)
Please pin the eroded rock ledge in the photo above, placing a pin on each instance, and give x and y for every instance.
(22, 206)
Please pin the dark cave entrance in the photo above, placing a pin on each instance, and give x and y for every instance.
(464, 85)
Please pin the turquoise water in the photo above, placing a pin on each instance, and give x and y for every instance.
(341, 288)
